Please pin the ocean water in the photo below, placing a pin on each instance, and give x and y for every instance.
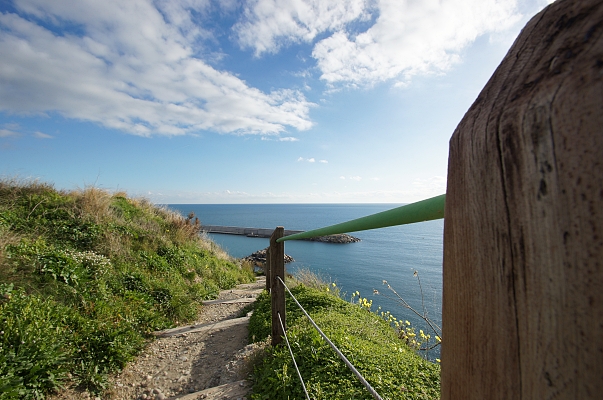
(391, 254)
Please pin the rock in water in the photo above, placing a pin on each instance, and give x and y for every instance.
(259, 257)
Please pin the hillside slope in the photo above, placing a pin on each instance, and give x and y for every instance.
(86, 275)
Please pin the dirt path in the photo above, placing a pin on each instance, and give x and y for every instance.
(183, 362)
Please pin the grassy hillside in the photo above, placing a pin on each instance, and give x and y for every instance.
(367, 339)
(86, 275)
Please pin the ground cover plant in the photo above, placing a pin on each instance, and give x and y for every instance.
(86, 275)
(368, 340)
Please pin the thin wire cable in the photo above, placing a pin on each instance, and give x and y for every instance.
(339, 353)
(292, 357)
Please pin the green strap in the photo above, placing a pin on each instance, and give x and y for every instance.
(424, 210)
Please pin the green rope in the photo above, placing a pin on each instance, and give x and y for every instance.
(424, 210)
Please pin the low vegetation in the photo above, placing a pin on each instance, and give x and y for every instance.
(381, 353)
(86, 275)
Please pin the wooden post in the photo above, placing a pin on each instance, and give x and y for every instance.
(523, 232)
(267, 269)
(277, 290)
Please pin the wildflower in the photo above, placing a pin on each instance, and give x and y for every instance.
(333, 284)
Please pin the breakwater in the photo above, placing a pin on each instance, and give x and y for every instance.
(266, 233)
(249, 232)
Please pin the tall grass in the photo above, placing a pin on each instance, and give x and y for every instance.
(86, 275)
(390, 365)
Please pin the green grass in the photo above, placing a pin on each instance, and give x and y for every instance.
(393, 369)
(86, 276)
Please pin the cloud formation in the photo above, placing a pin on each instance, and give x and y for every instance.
(42, 135)
(10, 130)
(133, 66)
(268, 25)
(407, 37)
(8, 133)
(141, 66)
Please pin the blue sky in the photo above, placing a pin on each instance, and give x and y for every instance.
(263, 101)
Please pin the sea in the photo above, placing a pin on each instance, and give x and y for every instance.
(408, 257)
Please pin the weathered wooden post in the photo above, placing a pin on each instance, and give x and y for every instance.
(277, 290)
(523, 235)
(267, 269)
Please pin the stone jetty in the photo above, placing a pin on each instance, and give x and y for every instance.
(266, 233)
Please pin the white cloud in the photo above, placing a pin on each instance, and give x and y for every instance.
(8, 133)
(342, 177)
(310, 160)
(406, 39)
(433, 186)
(280, 139)
(240, 197)
(10, 129)
(323, 161)
(41, 135)
(269, 25)
(410, 38)
(356, 178)
(130, 66)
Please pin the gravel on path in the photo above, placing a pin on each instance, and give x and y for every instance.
(176, 366)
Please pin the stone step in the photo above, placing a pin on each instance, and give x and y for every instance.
(230, 391)
(201, 327)
(243, 292)
(259, 279)
(230, 301)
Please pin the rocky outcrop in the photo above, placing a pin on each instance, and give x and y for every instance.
(259, 257)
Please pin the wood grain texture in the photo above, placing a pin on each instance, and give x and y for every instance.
(267, 270)
(523, 233)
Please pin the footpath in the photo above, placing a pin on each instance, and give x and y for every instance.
(205, 360)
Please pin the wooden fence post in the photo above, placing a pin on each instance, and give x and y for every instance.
(277, 290)
(523, 232)
(267, 270)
